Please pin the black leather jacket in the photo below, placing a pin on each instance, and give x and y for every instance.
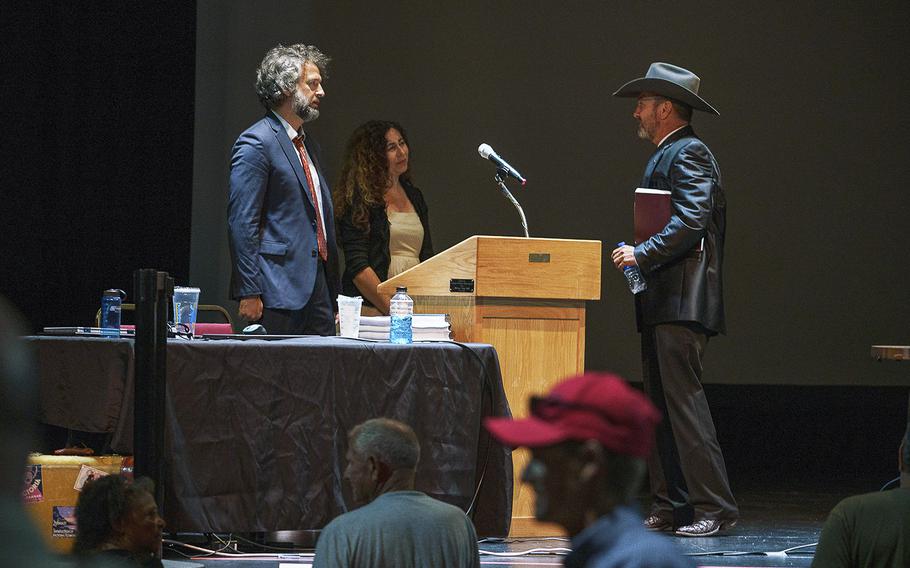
(685, 284)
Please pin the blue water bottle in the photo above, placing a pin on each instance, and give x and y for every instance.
(633, 276)
(111, 301)
(401, 310)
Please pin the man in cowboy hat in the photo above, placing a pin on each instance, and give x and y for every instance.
(589, 438)
(683, 305)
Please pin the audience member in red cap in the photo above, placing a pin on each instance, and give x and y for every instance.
(589, 438)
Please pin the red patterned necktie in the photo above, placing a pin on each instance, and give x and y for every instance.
(320, 234)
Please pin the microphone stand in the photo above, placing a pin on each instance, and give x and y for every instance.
(500, 173)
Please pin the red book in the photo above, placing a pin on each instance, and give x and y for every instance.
(652, 213)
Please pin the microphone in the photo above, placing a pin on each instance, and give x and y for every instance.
(487, 152)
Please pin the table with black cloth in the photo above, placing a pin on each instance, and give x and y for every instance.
(256, 431)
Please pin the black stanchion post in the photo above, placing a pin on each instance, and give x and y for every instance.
(151, 291)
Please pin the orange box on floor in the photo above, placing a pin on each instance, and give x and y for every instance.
(50, 495)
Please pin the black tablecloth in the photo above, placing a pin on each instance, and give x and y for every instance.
(256, 430)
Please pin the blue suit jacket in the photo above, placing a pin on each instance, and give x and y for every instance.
(272, 219)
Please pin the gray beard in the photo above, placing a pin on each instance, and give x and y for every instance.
(309, 114)
(642, 133)
(303, 109)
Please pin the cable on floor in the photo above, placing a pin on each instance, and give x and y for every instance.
(209, 552)
(530, 552)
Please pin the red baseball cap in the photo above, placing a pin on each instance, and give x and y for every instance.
(593, 406)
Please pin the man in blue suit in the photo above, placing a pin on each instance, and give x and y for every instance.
(280, 219)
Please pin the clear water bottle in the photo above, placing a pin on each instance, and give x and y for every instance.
(111, 301)
(401, 310)
(633, 277)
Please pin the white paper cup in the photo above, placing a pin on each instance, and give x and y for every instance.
(349, 315)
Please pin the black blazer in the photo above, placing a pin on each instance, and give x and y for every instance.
(685, 284)
(362, 250)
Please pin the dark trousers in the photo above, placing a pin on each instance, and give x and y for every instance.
(317, 317)
(687, 472)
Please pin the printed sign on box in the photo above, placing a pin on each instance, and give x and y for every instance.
(64, 522)
(87, 473)
(33, 490)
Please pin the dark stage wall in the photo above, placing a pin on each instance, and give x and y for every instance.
(811, 141)
(119, 120)
(97, 150)
(102, 162)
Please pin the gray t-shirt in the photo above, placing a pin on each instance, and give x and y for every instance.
(402, 529)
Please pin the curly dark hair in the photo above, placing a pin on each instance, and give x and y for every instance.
(365, 172)
(102, 503)
(277, 75)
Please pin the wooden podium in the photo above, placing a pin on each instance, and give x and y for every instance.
(526, 297)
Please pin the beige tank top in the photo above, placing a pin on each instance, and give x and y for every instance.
(405, 240)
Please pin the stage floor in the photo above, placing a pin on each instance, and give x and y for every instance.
(772, 520)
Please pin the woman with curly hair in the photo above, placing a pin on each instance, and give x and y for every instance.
(119, 519)
(383, 224)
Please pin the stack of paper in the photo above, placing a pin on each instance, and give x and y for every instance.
(425, 327)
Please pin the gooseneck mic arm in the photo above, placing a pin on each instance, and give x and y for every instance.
(500, 174)
(504, 170)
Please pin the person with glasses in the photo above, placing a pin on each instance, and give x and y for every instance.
(683, 305)
(589, 438)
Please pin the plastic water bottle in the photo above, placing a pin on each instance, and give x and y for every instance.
(633, 277)
(401, 309)
(111, 301)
